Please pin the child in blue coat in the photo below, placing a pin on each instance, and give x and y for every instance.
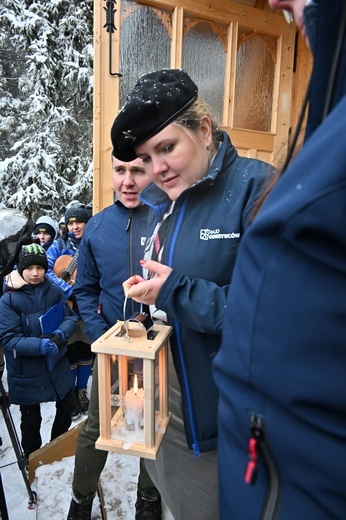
(29, 294)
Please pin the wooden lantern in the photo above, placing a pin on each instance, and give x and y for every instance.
(121, 430)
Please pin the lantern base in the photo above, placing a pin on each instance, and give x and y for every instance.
(137, 449)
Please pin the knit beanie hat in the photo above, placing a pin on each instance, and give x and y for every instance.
(46, 225)
(78, 213)
(156, 100)
(32, 254)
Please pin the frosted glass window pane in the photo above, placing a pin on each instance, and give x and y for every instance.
(204, 58)
(254, 84)
(145, 44)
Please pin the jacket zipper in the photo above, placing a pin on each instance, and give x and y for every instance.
(258, 446)
(129, 229)
(195, 445)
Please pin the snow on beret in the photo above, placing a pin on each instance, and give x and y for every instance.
(156, 100)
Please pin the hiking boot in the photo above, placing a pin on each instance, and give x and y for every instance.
(79, 511)
(148, 508)
(83, 401)
(75, 412)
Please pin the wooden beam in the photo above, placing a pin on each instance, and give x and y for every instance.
(62, 446)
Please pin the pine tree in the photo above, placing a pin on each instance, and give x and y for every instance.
(46, 104)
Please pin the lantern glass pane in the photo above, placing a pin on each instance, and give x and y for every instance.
(114, 383)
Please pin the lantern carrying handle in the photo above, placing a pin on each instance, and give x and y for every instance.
(127, 335)
(126, 321)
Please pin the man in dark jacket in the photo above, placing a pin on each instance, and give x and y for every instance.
(110, 251)
(281, 368)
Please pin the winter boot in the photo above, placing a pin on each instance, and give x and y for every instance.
(83, 401)
(148, 508)
(79, 511)
(75, 413)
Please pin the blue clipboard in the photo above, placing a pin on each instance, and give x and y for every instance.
(50, 321)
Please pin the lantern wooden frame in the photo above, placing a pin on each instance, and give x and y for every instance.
(116, 341)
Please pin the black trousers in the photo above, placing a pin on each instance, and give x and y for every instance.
(31, 422)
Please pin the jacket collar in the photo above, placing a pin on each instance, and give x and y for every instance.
(159, 201)
(15, 281)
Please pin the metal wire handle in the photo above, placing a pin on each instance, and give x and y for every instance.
(127, 333)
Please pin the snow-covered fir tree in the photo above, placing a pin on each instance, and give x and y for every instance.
(45, 104)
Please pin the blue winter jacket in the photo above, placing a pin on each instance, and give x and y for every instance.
(281, 368)
(29, 380)
(201, 245)
(110, 251)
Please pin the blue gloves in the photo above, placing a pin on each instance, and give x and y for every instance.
(57, 338)
(48, 347)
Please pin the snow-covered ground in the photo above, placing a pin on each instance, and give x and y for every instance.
(53, 482)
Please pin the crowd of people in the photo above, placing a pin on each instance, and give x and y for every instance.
(252, 287)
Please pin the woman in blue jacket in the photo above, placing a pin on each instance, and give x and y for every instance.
(202, 198)
(29, 295)
(281, 368)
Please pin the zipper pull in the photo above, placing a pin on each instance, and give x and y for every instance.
(196, 450)
(257, 432)
(129, 221)
(251, 467)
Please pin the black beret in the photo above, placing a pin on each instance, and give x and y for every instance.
(156, 100)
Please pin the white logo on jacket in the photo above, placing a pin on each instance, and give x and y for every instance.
(211, 234)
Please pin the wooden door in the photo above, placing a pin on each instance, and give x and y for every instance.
(240, 57)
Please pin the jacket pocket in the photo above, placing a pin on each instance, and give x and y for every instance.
(258, 447)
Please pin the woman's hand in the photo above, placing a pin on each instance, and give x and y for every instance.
(146, 291)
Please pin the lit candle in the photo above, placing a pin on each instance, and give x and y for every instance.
(134, 407)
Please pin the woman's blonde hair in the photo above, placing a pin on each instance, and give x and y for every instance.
(191, 119)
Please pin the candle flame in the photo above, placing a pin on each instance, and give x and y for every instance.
(135, 385)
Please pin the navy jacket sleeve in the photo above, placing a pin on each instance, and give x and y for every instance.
(193, 302)
(11, 332)
(87, 290)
